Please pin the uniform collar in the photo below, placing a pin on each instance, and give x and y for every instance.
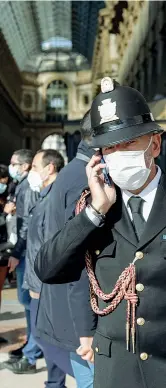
(83, 148)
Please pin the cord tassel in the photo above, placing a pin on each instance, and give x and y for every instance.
(133, 338)
(127, 335)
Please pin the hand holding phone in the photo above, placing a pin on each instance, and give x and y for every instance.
(107, 178)
(103, 195)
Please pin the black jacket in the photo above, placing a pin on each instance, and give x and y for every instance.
(113, 247)
(67, 305)
(3, 238)
(36, 237)
(25, 199)
(3, 230)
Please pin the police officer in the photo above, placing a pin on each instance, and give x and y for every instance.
(122, 235)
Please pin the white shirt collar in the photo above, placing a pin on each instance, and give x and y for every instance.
(148, 193)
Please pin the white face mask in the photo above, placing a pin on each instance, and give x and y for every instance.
(35, 181)
(128, 168)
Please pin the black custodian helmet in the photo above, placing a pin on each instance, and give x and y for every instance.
(120, 114)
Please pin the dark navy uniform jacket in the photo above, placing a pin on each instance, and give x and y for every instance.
(113, 247)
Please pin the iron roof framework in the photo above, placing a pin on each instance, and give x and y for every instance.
(50, 35)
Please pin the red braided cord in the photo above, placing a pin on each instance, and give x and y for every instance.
(124, 287)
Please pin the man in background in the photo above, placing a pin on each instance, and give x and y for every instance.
(19, 168)
(71, 321)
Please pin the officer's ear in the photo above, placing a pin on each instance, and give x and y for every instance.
(156, 145)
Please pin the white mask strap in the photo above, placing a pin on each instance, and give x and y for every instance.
(149, 144)
(147, 149)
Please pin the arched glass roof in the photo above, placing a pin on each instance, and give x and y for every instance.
(50, 35)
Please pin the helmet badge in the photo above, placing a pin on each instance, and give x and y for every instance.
(107, 111)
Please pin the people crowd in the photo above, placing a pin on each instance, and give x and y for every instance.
(89, 244)
(45, 197)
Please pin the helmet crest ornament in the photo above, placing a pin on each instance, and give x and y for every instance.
(107, 85)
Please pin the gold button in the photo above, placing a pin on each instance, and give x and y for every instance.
(144, 356)
(140, 321)
(97, 350)
(97, 252)
(139, 287)
(139, 255)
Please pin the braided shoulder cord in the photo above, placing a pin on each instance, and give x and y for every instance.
(124, 287)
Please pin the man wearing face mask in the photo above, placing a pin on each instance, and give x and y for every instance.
(19, 167)
(121, 233)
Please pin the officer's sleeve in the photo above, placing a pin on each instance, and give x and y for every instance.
(57, 258)
(84, 319)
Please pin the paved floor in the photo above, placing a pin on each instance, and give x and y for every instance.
(12, 327)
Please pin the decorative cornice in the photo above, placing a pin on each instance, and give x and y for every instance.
(130, 17)
(31, 79)
(101, 64)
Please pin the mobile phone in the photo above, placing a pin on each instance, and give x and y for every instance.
(107, 178)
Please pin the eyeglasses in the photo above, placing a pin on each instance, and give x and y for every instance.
(17, 164)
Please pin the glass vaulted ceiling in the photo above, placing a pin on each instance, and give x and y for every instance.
(50, 35)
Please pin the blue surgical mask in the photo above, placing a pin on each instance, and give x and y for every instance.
(3, 187)
(13, 171)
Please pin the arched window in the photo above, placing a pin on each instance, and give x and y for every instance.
(56, 101)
